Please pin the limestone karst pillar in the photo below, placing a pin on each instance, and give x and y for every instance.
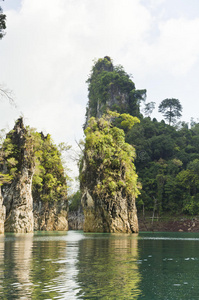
(17, 195)
(19, 204)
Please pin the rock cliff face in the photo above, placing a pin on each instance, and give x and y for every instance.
(50, 216)
(110, 87)
(106, 214)
(117, 99)
(76, 220)
(18, 195)
(2, 213)
(18, 201)
(108, 179)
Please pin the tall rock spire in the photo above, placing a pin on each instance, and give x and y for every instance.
(110, 87)
(18, 195)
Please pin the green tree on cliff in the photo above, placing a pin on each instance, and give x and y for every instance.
(149, 107)
(171, 109)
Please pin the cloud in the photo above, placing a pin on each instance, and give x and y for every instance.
(48, 52)
(174, 48)
(178, 44)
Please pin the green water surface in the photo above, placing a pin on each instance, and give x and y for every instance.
(76, 265)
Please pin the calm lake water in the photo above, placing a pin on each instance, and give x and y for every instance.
(75, 265)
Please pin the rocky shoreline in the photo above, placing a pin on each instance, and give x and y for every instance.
(162, 224)
(171, 224)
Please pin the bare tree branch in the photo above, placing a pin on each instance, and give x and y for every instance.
(8, 94)
(77, 153)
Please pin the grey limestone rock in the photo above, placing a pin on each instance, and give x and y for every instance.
(2, 213)
(19, 213)
(50, 216)
(76, 219)
(106, 214)
(18, 195)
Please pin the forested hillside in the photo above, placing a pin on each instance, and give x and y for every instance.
(168, 165)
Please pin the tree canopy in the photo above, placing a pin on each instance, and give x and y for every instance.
(167, 164)
(171, 109)
(2, 23)
(149, 107)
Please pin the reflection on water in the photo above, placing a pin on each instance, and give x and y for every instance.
(69, 265)
(19, 255)
(1, 264)
(108, 267)
(28, 268)
(15, 266)
(73, 265)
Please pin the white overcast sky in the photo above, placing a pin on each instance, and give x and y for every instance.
(49, 47)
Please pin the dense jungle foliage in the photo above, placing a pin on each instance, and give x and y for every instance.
(167, 161)
(168, 165)
(108, 158)
(49, 180)
(40, 155)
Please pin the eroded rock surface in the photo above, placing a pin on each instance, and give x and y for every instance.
(106, 214)
(18, 195)
(2, 213)
(113, 216)
(76, 220)
(50, 216)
